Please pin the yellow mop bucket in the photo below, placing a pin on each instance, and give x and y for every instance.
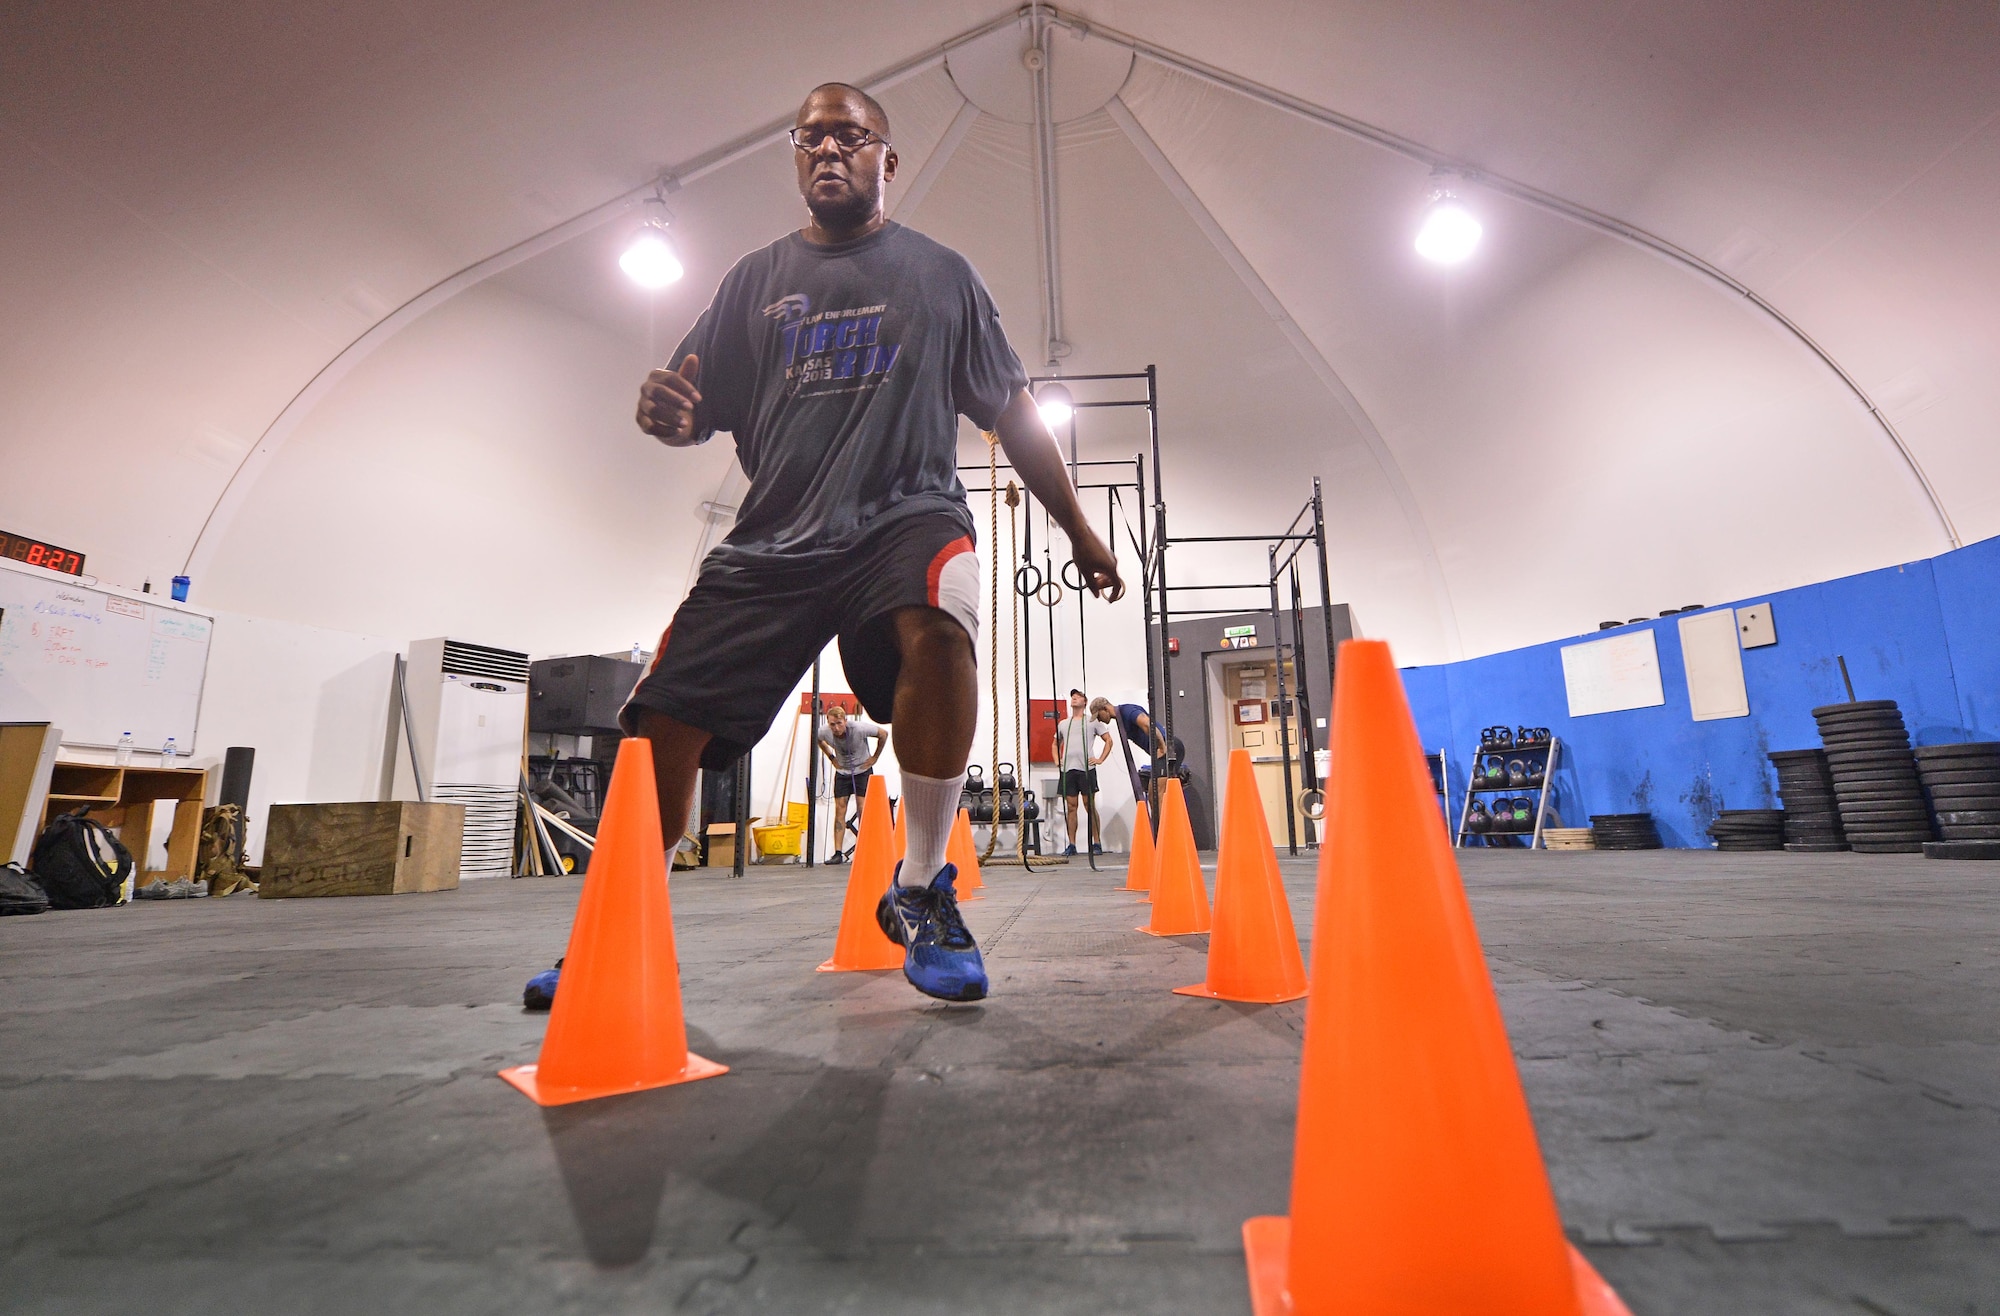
(785, 838)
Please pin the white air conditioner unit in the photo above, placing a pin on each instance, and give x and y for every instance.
(468, 716)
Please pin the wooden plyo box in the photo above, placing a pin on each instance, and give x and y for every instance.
(372, 849)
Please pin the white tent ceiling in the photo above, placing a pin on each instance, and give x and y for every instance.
(207, 207)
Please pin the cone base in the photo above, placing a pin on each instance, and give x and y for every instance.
(523, 1077)
(831, 967)
(1184, 932)
(1267, 1251)
(1202, 989)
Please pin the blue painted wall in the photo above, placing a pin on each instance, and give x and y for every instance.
(1925, 634)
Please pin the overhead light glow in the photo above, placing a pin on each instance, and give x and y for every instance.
(1055, 404)
(1450, 232)
(649, 260)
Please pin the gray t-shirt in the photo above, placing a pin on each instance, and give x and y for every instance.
(850, 748)
(842, 371)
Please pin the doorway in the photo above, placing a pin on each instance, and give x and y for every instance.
(1243, 714)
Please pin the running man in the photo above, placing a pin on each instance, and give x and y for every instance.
(844, 741)
(840, 357)
(1075, 735)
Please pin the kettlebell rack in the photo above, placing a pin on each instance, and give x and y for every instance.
(1515, 773)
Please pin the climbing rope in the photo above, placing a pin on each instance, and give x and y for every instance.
(1013, 497)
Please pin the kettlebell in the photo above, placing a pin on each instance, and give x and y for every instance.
(1486, 739)
(1496, 772)
(1503, 739)
(1524, 813)
(1537, 773)
(1478, 821)
(1517, 773)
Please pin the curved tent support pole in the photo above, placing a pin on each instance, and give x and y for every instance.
(1364, 424)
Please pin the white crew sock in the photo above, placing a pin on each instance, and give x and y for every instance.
(930, 804)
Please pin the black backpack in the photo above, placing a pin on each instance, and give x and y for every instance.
(80, 863)
(19, 893)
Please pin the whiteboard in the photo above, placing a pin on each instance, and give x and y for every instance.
(1607, 676)
(99, 664)
(1712, 653)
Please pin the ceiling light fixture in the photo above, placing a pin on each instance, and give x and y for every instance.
(1055, 404)
(650, 260)
(1450, 232)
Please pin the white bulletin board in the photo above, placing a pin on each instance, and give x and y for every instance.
(98, 664)
(1712, 653)
(1609, 676)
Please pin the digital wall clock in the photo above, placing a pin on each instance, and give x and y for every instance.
(34, 552)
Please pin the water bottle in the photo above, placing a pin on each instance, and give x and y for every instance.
(124, 758)
(167, 752)
(636, 651)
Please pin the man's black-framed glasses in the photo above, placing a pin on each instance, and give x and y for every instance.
(849, 137)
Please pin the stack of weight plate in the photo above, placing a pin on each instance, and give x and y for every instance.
(1812, 818)
(1567, 838)
(1749, 829)
(1624, 831)
(1882, 807)
(1963, 782)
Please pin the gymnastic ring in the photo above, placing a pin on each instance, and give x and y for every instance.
(1028, 581)
(1312, 803)
(1081, 583)
(1049, 594)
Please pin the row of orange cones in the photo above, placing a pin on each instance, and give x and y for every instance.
(1410, 1109)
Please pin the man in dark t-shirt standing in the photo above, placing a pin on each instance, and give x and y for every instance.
(840, 357)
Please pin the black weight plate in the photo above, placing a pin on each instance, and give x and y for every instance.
(1848, 744)
(1864, 771)
(1790, 758)
(1868, 718)
(1963, 790)
(1898, 847)
(1850, 801)
(1962, 850)
(1815, 847)
(1968, 818)
(1965, 803)
(1903, 820)
(1977, 749)
(1620, 817)
(1958, 777)
(1874, 754)
(1861, 842)
(1878, 790)
(1854, 706)
(1970, 833)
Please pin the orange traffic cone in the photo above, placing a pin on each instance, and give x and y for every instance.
(1410, 1109)
(1253, 954)
(1180, 898)
(860, 943)
(1145, 861)
(962, 854)
(616, 1025)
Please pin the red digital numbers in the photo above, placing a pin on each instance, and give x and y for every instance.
(35, 553)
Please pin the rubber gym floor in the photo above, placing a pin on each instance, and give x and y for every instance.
(1763, 1084)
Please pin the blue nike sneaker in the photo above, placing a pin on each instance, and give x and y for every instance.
(940, 958)
(540, 993)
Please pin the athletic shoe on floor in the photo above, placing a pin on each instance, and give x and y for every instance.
(940, 958)
(540, 993)
(1070, 849)
(1095, 848)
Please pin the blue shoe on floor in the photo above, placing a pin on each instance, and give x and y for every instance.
(540, 993)
(940, 958)
(1069, 849)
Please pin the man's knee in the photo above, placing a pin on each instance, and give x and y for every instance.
(931, 635)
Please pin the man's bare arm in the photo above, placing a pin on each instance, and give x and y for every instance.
(1032, 451)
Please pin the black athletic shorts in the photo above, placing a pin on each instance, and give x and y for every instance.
(851, 783)
(744, 636)
(1079, 781)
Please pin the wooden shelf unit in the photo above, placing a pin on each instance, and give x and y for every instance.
(123, 799)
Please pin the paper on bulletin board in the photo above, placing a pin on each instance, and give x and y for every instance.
(1713, 656)
(1608, 676)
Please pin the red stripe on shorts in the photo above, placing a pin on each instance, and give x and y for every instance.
(938, 564)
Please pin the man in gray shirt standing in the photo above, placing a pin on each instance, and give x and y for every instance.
(840, 357)
(844, 741)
